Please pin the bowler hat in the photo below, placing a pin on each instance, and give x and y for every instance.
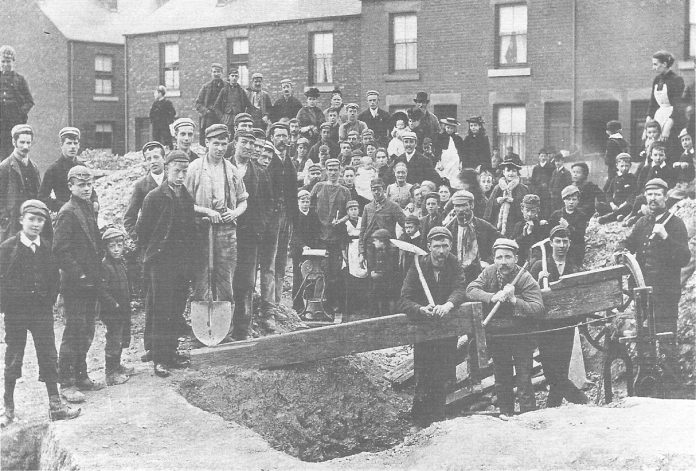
(421, 97)
(313, 92)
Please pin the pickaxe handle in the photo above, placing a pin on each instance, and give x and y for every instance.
(424, 283)
(497, 305)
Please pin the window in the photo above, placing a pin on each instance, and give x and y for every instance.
(322, 58)
(512, 35)
(103, 135)
(445, 111)
(103, 75)
(169, 65)
(691, 31)
(404, 42)
(511, 127)
(595, 115)
(557, 132)
(238, 57)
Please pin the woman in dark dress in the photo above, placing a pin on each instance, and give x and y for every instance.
(162, 114)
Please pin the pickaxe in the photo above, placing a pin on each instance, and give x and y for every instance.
(416, 251)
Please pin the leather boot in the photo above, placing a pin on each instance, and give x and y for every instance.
(113, 377)
(57, 410)
(86, 384)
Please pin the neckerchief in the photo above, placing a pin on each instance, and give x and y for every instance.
(467, 244)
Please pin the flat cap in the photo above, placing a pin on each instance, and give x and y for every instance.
(509, 163)
(245, 133)
(623, 157)
(376, 182)
(438, 232)
(80, 172)
(69, 131)
(242, 118)
(34, 207)
(312, 92)
(286, 80)
(683, 133)
(352, 106)
(152, 145)
(569, 190)
(559, 231)
(352, 204)
(372, 93)
(278, 125)
(268, 145)
(353, 132)
(259, 133)
(216, 130)
(427, 141)
(182, 122)
(256, 75)
(413, 219)
(450, 121)
(325, 125)
(332, 162)
(409, 135)
(216, 65)
(504, 243)
(314, 167)
(368, 132)
(302, 140)
(176, 156)
(656, 183)
(112, 233)
(21, 129)
(303, 193)
(531, 200)
(432, 194)
(461, 197)
(381, 234)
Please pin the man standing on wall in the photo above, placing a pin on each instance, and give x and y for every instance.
(206, 100)
(15, 99)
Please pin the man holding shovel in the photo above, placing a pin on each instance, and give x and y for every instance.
(166, 232)
(219, 196)
(427, 299)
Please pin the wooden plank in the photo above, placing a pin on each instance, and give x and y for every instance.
(480, 336)
(584, 293)
(403, 372)
(334, 341)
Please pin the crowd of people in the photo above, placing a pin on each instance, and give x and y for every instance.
(280, 178)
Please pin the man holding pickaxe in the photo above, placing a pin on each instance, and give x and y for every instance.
(427, 295)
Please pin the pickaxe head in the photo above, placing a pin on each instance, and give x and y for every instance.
(406, 247)
(541, 243)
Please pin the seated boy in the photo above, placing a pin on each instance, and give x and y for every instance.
(575, 220)
(530, 230)
(304, 235)
(620, 191)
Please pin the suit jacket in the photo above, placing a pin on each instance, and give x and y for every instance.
(252, 223)
(155, 223)
(419, 168)
(285, 108)
(77, 246)
(231, 101)
(12, 195)
(380, 124)
(264, 109)
(15, 287)
(56, 180)
(142, 187)
(284, 181)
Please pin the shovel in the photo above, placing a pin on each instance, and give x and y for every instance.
(211, 319)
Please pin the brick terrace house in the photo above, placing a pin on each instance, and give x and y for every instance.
(541, 72)
(313, 42)
(72, 55)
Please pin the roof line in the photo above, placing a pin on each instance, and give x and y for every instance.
(244, 25)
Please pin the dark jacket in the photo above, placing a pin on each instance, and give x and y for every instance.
(56, 180)
(675, 89)
(552, 269)
(381, 124)
(441, 142)
(162, 114)
(334, 151)
(387, 217)
(427, 222)
(305, 231)
(592, 199)
(577, 225)
(155, 223)
(77, 246)
(559, 180)
(142, 187)
(649, 172)
(205, 102)
(621, 189)
(20, 281)
(15, 100)
(285, 108)
(284, 182)
(419, 168)
(231, 101)
(114, 292)
(13, 193)
(615, 146)
(515, 213)
(486, 234)
(265, 107)
(525, 241)
(540, 185)
(451, 286)
(477, 151)
(252, 223)
(684, 174)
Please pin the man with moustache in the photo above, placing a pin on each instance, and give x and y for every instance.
(206, 99)
(182, 132)
(15, 99)
(260, 101)
(232, 100)
(287, 105)
(376, 118)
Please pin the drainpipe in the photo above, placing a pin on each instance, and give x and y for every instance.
(125, 95)
(573, 68)
(71, 75)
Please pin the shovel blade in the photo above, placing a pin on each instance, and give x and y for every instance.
(211, 321)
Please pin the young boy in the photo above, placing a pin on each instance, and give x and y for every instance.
(304, 235)
(77, 248)
(356, 158)
(616, 144)
(657, 168)
(620, 190)
(114, 298)
(332, 116)
(575, 220)
(28, 289)
(412, 235)
(531, 229)
(432, 217)
(356, 273)
(560, 178)
(382, 271)
(652, 133)
(684, 167)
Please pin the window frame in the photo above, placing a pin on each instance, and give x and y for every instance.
(175, 67)
(498, 37)
(522, 150)
(690, 30)
(312, 79)
(97, 132)
(238, 60)
(392, 42)
(102, 76)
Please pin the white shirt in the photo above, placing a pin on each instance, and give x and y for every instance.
(560, 265)
(157, 178)
(374, 112)
(32, 244)
(409, 156)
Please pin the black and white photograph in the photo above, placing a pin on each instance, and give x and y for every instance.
(347, 234)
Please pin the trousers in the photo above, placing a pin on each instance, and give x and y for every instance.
(506, 353)
(555, 350)
(80, 316)
(434, 364)
(244, 282)
(168, 289)
(225, 264)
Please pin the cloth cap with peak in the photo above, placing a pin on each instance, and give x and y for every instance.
(34, 207)
(503, 243)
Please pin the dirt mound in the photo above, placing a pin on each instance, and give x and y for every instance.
(316, 411)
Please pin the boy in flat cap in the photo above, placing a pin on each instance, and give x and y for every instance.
(77, 247)
(434, 361)
(521, 304)
(383, 272)
(182, 132)
(556, 346)
(15, 99)
(28, 289)
(54, 185)
(115, 311)
(206, 99)
(19, 181)
(167, 234)
(575, 220)
(353, 123)
(620, 190)
(532, 228)
(324, 140)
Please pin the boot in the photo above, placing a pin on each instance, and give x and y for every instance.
(86, 384)
(59, 411)
(72, 395)
(8, 416)
(113, 377)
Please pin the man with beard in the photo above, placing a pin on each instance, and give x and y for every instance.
(54, 190)
(19, 181)
(520, 304)
(287, 105)
(429, 122)
(206, 100)
(660, 242)
(232, 100)
(260, 101)
(15, 99)
(182, 131)
(376, 118)
(434, 361)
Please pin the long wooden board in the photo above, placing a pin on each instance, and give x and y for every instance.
(335, 341)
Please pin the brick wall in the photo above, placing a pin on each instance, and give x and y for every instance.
(277, 51)
(86, 107)
(41, 58)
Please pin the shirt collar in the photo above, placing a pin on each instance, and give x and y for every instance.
(157, 178)
(616, 135)
(26, 241)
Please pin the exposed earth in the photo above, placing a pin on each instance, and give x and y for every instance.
(338, 414)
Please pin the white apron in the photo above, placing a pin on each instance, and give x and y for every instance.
(664, 112)
(352, 253)
(450, 165)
